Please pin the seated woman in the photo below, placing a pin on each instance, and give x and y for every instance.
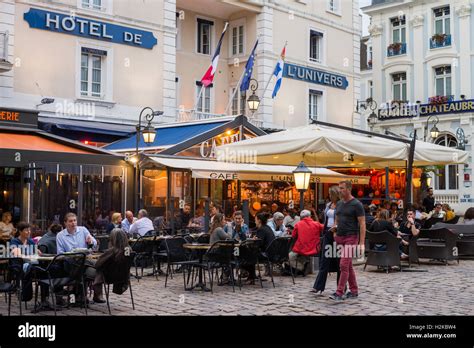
(22, 244)
(115, 223)
(383, 223)
(113, 262)
(6, 227)
(468, 217)
(217, 229)
(197, 222)
(449, 212)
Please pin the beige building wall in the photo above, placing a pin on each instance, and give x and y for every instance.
(47, 64)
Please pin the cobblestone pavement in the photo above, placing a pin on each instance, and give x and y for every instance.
(439, 290)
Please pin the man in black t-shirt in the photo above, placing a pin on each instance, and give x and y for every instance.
(350, 222)
(409, 228)
(429, 201)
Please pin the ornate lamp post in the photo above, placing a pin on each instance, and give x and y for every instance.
(302, 175)
(149, 134)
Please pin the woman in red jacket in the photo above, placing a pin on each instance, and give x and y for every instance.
(306, 234)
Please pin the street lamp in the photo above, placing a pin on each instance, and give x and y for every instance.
(434, 132)
(372, 120)
(149, 134)
(253, 101)
(302, 176)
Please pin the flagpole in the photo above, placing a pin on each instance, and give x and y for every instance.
(202, 86)
(238, 85)
(233, 94)
(197, 100)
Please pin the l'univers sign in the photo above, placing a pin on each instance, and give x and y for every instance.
(92, 29)
(319, 77)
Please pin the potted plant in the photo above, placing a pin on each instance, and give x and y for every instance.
(438, 99)
(439, 38)
(395, 46)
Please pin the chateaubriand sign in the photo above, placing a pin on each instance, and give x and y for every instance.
(319, 77)
(411, 110)
(91, 29)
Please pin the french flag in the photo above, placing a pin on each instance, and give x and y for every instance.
(209, 75)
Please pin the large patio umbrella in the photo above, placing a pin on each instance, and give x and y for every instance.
(323, 146)
(327, 145)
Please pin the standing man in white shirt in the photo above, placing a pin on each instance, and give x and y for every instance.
(142, 225)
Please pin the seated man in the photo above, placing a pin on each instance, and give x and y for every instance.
(276, 224)
(409, 228)
(438, 212)
(142, 225)
(237, 228)
(73, 236)
(48, 241)
(183, 217)
(306, 234)
(128, 221)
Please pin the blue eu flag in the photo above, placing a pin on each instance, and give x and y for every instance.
(248, 70)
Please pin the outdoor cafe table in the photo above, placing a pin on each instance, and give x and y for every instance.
(201, 249)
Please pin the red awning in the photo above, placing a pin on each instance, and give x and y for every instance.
(35, 143)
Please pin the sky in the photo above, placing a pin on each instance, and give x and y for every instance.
(365, 19)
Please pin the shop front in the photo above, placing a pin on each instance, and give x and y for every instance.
(177, 180)
(43, 176)
(189, 172)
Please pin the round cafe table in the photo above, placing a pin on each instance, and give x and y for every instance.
(201, 249)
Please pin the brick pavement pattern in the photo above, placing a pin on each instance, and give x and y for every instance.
(440, 290)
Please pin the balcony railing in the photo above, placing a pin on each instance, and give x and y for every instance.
(440, 40)
(396, 49)
(4, 46)
(449, 198)
(183, 115)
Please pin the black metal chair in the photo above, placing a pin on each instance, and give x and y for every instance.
(65, 271)
(437, 244)
(143, 249)
(248, 255)
(219, 256)
(204, 238)
(177, 256)
(119, 274)
(13, 284)
(386, 256)
(277, 254)
(43, 248)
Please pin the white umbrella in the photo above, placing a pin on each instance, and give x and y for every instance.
(324, 146)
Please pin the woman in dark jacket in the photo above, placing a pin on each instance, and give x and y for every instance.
(383, 223)
(114, 263)
(328, 262)
(266, 236)
(264, 232)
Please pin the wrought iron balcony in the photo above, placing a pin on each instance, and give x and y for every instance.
(440, 40)
(396, 49)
